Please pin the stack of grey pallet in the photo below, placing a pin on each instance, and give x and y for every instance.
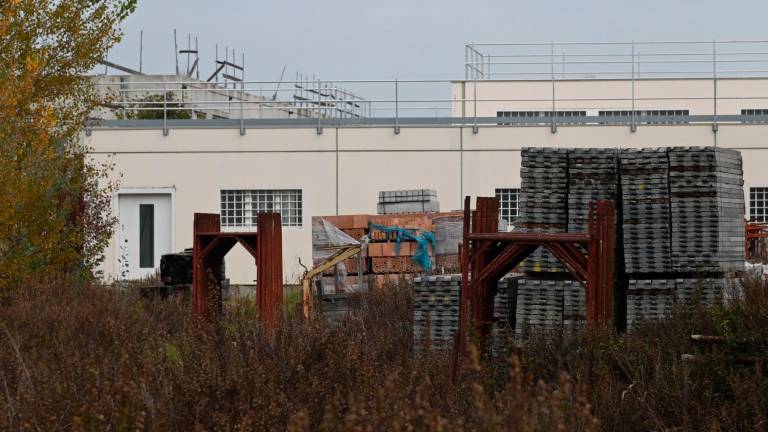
(539, 305)
(649, 299)
(704, 229)
(707, 209)
(703, 290)
(592, 175)
(574, 305)
(436, 311)
(681, 211)
(504, 305)
(545, 304)
(652, 299)
(645, 210)
(543, 201)
(408, 201)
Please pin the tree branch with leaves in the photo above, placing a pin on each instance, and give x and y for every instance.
(54, 217)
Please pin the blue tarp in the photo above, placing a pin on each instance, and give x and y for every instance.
(422, 237)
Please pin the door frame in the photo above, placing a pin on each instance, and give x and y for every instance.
(116, 212)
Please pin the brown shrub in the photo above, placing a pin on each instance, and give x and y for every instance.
(94, 358)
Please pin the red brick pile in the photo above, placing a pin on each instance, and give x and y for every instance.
(383, 263)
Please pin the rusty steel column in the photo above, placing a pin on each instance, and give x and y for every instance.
(484, 292)
(464, 293)
(600, 280)
(205, 273)
(269, 269)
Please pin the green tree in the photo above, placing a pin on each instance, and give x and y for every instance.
(54, 216)
(151, 108)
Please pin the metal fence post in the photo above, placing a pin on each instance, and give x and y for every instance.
(397, 109)
(633, 124)
(242, 110)
(466, 61)
(319, 125)
(165, 112)
(714, 84)
(475, 129)
(553, 127)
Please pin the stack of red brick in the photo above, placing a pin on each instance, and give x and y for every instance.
(383, 262)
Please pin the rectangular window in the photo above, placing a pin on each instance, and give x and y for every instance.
(508, 203)
(509, 117)
(758, 204)
(146, 235)
(648, 117)
(240, 207)
(758, 115)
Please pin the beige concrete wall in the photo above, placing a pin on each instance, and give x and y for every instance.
(344, 169)
(695, 95)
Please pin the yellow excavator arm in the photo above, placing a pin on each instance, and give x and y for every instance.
(306, 280)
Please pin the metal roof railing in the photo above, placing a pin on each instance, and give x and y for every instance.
(617, 60)
(409, 102)
(474, 101)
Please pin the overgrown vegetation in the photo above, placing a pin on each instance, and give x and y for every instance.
(93, 358)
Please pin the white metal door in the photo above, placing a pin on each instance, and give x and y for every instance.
(144, 233)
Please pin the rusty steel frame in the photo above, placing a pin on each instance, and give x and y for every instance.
(753, 233)
(211, 245)
(487, 255)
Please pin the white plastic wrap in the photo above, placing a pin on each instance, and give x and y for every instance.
(327, 241)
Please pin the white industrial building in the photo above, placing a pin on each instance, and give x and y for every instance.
(329, 165)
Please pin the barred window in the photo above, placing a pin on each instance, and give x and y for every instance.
(758, 204)
(758, 113)
(240, 207)
(510, 116)
(508, 203)
(648, 117)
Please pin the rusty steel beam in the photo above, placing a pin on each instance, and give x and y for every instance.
(487, 255)
(502, 263)
(202, 294)
(571, 257)
(600, 278)
(464, 291)
(211, 245)
(537, 238)
(269, 268)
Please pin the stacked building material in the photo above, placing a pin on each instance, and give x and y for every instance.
(592, 175)
(649, 300)
(504, 306)
(707, 209)
(547, 304)
(652, 299)
(436, 311)
(408, 201)
(704, 290)
(539, 305)
(448, 235)
(681, 218)
(388, 258)
(345, 276)
(392, 253)
(543, 201)
(574, 305)
(645, 211)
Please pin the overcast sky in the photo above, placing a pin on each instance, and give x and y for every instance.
(386, 39)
